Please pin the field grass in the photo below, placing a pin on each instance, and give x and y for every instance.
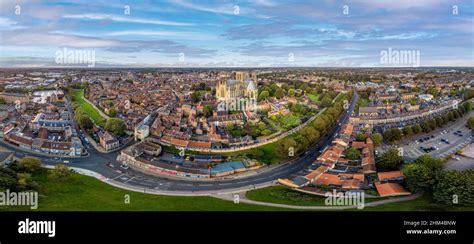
(78, 98)
(84, 193)
(314, 98)
(289, 120)
(341, 96)
(361, 103)
(282, 195)
(270, 156)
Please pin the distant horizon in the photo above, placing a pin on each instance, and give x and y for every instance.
(239, 67)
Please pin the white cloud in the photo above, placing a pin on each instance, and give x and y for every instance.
(125, 19)
(222, 9)
(8, 24)
(175, 34)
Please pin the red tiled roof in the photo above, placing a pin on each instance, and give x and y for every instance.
(383, 176)
(390, 189)
(199, 144)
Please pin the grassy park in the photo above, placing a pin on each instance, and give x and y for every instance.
(282, 195)
(84, 193)
(78, 100)
(314, 98)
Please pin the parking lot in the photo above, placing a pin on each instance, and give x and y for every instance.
(439, 143)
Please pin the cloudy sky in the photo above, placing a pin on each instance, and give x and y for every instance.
(254, 33)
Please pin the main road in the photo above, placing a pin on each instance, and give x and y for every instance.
(100, 163)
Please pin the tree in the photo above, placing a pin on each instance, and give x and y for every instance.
(291, 92)
(25, 182)
(353, 154)
(8, 179)
(467, 106)
(425, 126)
(266, 132)
(261, 126)
(360, 137)
(407, 130)
(454, 183)
(195, 97)
(377, 138)
(302, 142)
(279, 93)
(390, 160)
(326, 102)
(468, 93)
(112, 112)
(439, 121)
(319, 124)
(286, 147)
(207, 110)
(416, 129)
(29, 164)
(310, 133)
(85, 122)
(421, 174)
(60, 172)
(392, 135)
(470, 122)
(116, 126)
(263, 95)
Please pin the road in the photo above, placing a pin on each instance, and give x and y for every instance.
(97, 162)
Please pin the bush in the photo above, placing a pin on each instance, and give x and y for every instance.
(390, 160)
(29, 164)
(25, 182)
(353, 154)
(8, 179)
(60, 172)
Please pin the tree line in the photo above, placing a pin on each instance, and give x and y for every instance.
(395, 134)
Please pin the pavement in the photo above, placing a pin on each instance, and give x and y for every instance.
(464, 163)
(108, 169)
(411, 146)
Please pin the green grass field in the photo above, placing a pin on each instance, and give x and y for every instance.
(84, 193)
(78, 98)
(341, 96)
(282, 195)
(361, 103)
(289, 120)
(314, 98)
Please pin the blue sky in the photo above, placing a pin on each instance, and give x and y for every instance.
(258, 33)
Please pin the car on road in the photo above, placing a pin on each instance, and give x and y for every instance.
(124, 166)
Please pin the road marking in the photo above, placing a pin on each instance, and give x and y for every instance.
(129, 180)
(117, 177)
